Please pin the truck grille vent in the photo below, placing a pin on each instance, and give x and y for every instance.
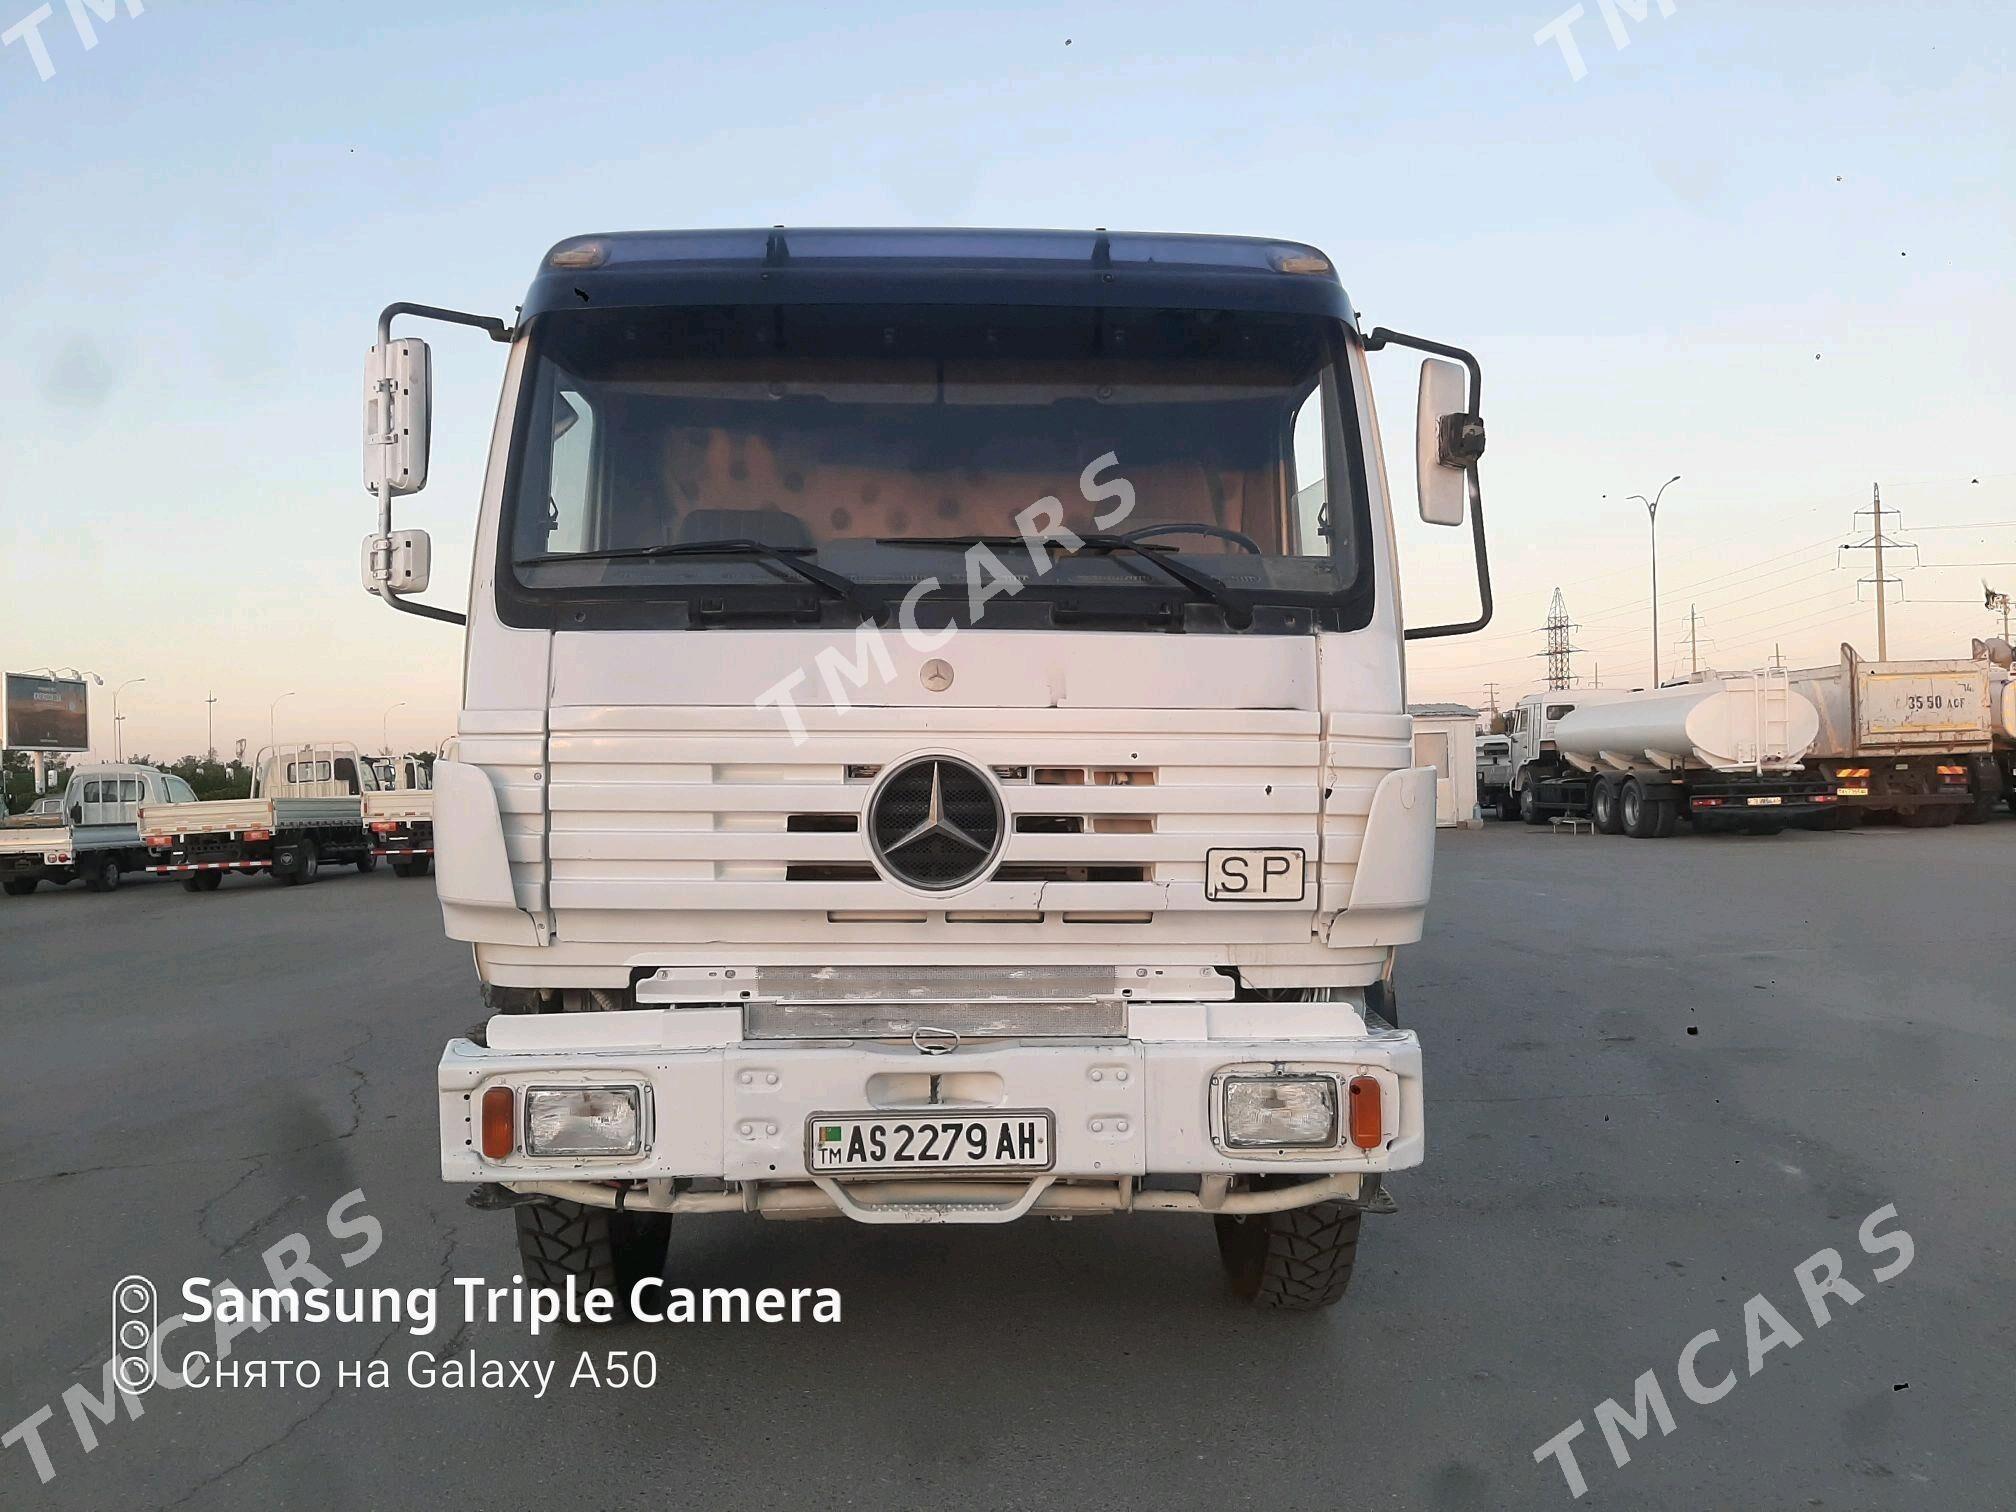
(936, 823)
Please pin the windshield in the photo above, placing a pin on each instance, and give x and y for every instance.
(664, 460)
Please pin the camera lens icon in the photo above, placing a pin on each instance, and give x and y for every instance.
(135, 1333)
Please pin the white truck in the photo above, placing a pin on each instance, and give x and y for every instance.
(1907, 740)
(1722, 751)
(1494, 776)
(1998, 658)
(93, 834)
(306, 809)
(930, 751)
(399, 815)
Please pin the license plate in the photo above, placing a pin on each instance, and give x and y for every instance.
(1765, 802)
(922, 1142)
(1253, 876)
(1854, 792)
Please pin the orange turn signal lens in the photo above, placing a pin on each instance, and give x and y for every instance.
(1368, 1118)
(499, 1137)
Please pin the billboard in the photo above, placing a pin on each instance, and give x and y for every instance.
(44, 714)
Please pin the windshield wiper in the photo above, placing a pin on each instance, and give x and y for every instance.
(1238, 611)
(787, 557)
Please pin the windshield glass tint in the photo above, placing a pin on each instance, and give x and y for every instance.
(831, 430)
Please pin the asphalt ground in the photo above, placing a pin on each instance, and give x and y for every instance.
(1660, 1077)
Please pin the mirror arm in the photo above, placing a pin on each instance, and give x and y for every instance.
(496, 330)
(1382, 337)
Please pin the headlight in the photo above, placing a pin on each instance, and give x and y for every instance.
(584, 1120)
(1269, 1112)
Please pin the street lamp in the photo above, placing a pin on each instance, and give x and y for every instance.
(385, 728)
(118, 741)
(272, 725)
(1652, 515)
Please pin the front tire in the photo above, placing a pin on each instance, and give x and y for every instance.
(1529, 806)
(1296, 1260)
(307, 866)
(596, 1246)
(19, 887)
(103, 876)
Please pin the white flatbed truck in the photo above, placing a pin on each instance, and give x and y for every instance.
(306, 809)
(93, 834)
(934, 743)
(399, 815)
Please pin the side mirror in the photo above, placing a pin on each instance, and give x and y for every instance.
(76, 813)
(1447, 442)
(398, 404)
(401, 561)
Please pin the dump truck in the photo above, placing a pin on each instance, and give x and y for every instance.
(934, 741)
(1723, 751)
(306, 809)
(399, 814)
(93, 834)
(1909, 741)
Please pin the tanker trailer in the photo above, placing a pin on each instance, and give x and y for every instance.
(1723, 751)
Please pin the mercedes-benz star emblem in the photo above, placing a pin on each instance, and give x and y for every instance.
(936, 675)
(936, 823)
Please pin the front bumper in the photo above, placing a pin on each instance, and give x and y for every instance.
(1135, 1124)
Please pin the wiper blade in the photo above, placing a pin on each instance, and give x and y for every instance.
(787, 557)
(1238, 610)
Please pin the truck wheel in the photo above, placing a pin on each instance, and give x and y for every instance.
(597, 1246)
(19, 887)
(307, 864)
(402, 869)
(422, 865)
(368, 862)
(1665, 818)
(1603, 806)
(1980, 811)
(203, 882)
(1636, 811)
(1297, 1260)
(103, 876)
(1529, 806)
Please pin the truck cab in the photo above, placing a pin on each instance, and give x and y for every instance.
(934, 744)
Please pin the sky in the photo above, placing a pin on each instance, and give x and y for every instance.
(1764, 246)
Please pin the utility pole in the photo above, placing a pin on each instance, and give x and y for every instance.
(1560, 649)
(1491, 693)
(1877, 543)
(1777, 657)
(1693, 641)
(1995, 601)
(210, 716)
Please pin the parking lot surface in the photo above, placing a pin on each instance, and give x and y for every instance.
(1660, 1076)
